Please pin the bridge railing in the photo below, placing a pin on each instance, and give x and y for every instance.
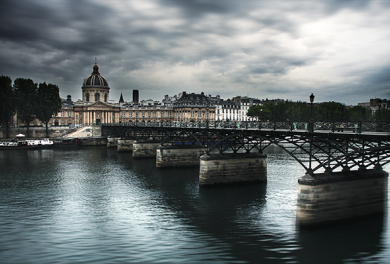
(351, 127)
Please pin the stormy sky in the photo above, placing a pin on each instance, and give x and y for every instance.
(339, 50)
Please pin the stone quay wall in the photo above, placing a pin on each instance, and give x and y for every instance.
(37, 132)
(178, 155)
(232, 168)
(145, 149)
(94, 141)
(125, 145)
(328, 198)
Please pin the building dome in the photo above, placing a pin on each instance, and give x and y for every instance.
(95, 79)
(95, 87)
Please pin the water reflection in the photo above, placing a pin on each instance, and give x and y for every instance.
(94, 205)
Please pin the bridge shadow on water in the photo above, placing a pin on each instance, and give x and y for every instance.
(236, 227)
(354, 241)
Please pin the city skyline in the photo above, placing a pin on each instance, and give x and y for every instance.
(338, 50)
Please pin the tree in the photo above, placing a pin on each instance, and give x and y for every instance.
(332, 111)
(7, 102)
(26, 105)
(261, 112)
(359, 113)
(382, 114)
(49, 101)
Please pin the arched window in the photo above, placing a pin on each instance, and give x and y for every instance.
(105, 97)
(97, 97)
(87, 97)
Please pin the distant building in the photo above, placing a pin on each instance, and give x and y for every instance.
(193, 108)
(227, 110)
(378, 103)
(245, 103)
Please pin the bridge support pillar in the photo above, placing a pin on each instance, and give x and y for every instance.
(328, 198)
(112, 142)
(145, 149)
(125, 145)
(178, 155)
(232, 168)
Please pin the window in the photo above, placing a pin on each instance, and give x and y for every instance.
(87, 97)
(97, 97)
(105, 97)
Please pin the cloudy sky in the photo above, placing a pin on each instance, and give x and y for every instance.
(338, 50)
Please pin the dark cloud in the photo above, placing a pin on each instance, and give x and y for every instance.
(261, 48)
(199, 8)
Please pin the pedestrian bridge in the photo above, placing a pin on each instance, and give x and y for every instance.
(327, 147)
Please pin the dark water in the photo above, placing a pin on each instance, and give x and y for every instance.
(94, 205)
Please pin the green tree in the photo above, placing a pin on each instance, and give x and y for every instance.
(49, 101)
(26, 104)
(296, 111)
(261, 112)
(7, 102)
(382, 114)
(359, 113)
(331, 111)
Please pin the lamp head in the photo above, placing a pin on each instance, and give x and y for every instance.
(312, 98)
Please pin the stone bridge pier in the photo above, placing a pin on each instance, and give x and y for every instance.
(325, 198)
(143, 149)
(232, 168)
(178, 155)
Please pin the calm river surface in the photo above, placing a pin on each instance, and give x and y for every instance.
(94, 205)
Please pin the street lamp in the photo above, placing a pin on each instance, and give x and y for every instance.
(207, 117)
(311, 129)
(311, 126)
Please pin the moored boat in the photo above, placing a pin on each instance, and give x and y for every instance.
(40, 143)
(16, 145)
(67, 142)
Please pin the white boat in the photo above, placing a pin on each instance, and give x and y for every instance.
(40, 143)
(16, 145)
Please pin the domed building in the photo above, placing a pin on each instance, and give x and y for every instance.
(94, 108)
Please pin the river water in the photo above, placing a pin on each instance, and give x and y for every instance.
(94, 205)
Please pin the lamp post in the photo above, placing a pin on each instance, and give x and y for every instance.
(207, 117)
(311, 129)
(311, 124)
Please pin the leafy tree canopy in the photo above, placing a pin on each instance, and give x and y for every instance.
(7, 102)
(26, 103)
(49, 101)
